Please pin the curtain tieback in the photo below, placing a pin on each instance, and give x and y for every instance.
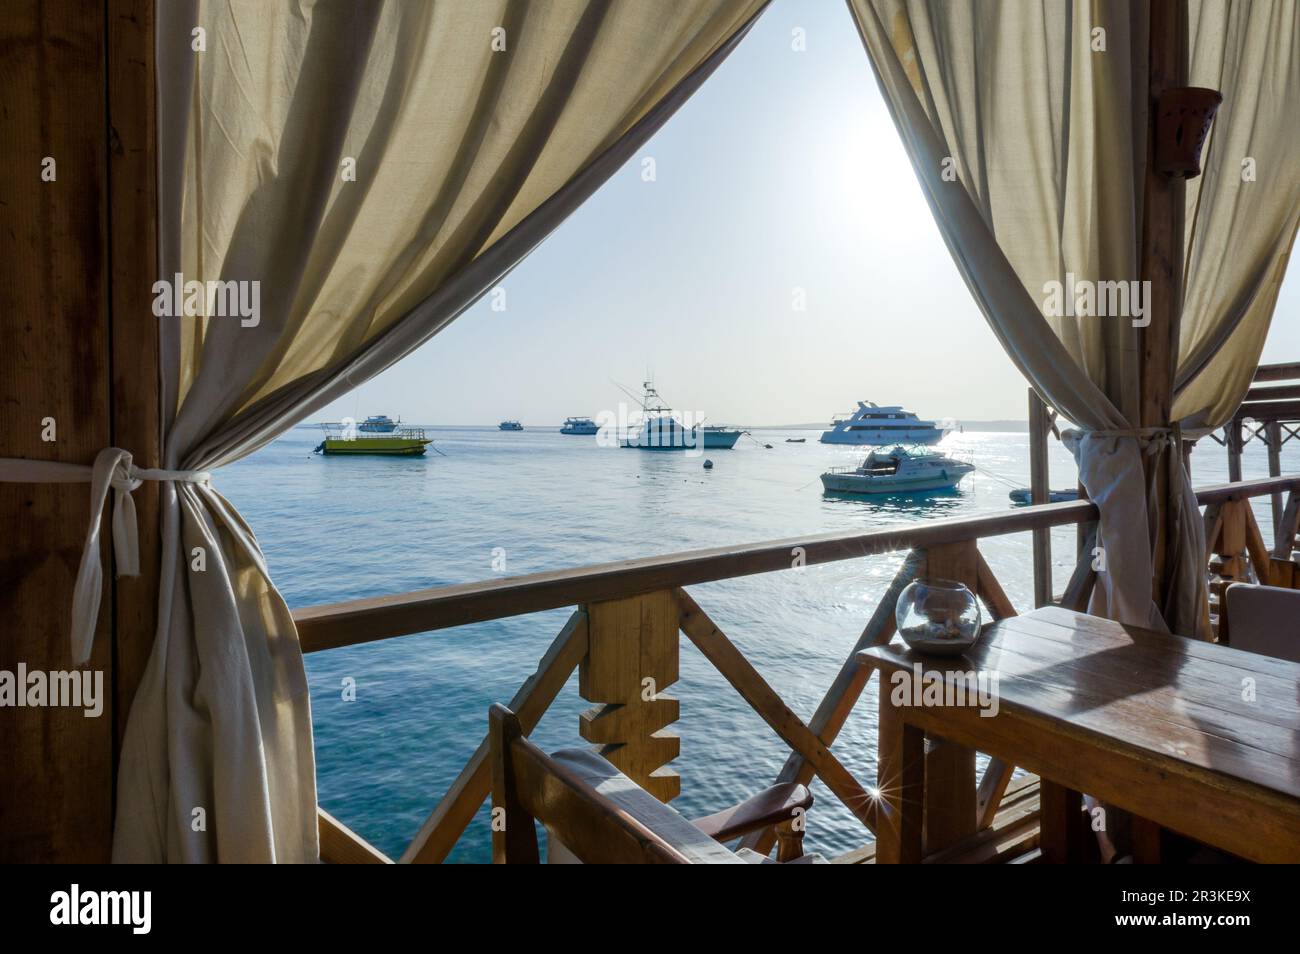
(1152, 438)
(112, 469)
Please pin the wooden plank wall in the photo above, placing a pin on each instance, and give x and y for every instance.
(77, 265)
(55, 764)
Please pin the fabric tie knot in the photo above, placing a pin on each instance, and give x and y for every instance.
(113, 468)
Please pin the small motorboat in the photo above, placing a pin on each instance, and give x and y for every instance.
(510, 426)
(898, 471)
(1024, 495)
(795, 440)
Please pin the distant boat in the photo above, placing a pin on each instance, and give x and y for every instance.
(795, 440)
(379, 424)
(898, 471)
(661, 430)
(343, 440)
(510, 426)
(873, 424)
(1024, 495)
(579, 425)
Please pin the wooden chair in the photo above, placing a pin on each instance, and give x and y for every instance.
(1265, 619)
(595, 814)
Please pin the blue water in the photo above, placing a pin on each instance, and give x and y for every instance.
(341, 528)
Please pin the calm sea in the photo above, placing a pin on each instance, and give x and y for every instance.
(502, 503)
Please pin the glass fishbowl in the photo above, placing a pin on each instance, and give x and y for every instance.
(938, 617)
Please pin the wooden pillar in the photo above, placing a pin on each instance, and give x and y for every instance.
(632, 656)
(1232, 438)
(950, 783)
(1040, 487)
(77, 265)
(1161, 265)
(56, 784)
(1273, 436)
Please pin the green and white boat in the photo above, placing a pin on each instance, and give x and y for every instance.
(348, 439)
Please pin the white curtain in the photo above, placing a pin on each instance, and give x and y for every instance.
(1026, 125)
(375, 167)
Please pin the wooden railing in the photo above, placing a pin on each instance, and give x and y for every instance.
(623, 640)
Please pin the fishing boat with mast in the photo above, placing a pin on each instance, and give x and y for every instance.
(661, 429)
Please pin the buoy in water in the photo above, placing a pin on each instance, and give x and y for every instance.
(708, 465)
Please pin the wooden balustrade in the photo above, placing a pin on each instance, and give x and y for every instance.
(624, 641)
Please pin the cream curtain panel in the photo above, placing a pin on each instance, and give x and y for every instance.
(1027, 130)
(473, 129)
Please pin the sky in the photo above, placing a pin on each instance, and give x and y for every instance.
(782, 176)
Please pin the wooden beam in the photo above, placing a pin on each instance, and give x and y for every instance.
(1277, 372)
(632, 657)
(1273, 436)
(950, 786)
(764, 700)
(847, 686)
(443, 828)
(358, 621)
(133, 252)
(1039, 485)
(56, 789)
(1161, 266)
(1079, 590)
(340, 845)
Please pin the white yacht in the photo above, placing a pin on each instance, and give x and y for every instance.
(898, 471)
(873, 424)
(660, 429)
(579, 425)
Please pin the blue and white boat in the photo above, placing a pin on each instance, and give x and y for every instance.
(378, 424)
(510, 426)
(579, 425)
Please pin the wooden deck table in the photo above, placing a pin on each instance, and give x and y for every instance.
(1196, 737)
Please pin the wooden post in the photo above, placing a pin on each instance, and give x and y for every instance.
(1161, 265)
(950, 785)
(1232, 438)
(1273, 437)
(56, 793)
(632, 656)
(136, 417)
(1039, 484)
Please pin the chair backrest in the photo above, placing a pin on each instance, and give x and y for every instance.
(531, 785)
(1264, 619)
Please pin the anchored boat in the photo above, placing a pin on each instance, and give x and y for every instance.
(898, 471)
(401, 442)
(661, 430)
(873, 424)
(579, 425)
(379, 424)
